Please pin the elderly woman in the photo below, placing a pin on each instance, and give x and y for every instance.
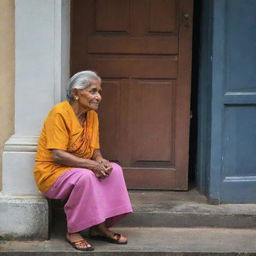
(69, 166)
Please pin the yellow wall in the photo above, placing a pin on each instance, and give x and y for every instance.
(7, 73)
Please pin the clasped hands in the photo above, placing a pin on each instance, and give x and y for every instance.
(102, 169)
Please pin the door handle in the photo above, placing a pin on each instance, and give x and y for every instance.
(186, 17)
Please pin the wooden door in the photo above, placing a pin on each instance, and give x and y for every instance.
(142, 50)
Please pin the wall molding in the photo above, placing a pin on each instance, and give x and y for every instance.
(240, 179)
(21, 144)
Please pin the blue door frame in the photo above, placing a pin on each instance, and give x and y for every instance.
(226, 161)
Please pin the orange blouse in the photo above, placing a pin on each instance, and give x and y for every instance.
(62, 130)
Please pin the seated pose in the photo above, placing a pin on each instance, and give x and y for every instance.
(69, 166)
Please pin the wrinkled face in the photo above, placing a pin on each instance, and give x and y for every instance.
(90, 97)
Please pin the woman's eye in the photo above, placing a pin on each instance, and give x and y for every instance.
(93, 91)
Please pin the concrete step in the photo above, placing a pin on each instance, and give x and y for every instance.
(186, 209)
(148, 242)
(181, 209)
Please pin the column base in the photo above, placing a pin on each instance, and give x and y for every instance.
(24, 218)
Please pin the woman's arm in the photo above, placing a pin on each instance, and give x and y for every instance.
(62, 157)
(97, 156)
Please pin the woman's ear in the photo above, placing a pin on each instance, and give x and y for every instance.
(75, 94)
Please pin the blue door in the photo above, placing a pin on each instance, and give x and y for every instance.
(227, 102)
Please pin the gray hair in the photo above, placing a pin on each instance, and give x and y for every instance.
(80, 81)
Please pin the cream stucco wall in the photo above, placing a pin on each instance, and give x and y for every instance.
(7, 73)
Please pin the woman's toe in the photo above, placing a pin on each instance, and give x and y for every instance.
(120, 238)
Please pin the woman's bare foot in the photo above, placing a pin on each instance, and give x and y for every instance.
(101, 232)
(78, 242)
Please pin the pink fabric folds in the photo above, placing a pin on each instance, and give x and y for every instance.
(91, 201)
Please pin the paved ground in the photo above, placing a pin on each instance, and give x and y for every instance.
(184, 241)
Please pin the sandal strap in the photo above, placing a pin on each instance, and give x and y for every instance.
(118, 236)
(80, 242)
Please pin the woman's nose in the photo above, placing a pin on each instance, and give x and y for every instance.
(98, 96)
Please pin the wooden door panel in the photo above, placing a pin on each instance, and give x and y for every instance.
(134, 66)
(150, 177)
(163, 15)
(152, 125)
(114, 118)
(112, 15)
(110, 119)
(132, 45)
(142, 50)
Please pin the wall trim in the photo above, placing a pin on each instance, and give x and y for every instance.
(21, 144)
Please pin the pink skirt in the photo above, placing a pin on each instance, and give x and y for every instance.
(91, 201)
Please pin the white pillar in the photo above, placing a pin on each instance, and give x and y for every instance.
(42, 69)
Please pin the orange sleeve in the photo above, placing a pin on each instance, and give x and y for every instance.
(57, 136)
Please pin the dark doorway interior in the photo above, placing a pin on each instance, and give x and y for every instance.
(194, 94)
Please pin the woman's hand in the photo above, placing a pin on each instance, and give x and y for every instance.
(108, 167)
(101, 170)
(97, 156)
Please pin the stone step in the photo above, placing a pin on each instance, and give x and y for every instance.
(148, 242)
(186, 209)
(182, 209)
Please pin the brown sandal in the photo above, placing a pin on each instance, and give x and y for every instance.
(110, 239)
(76, 244)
